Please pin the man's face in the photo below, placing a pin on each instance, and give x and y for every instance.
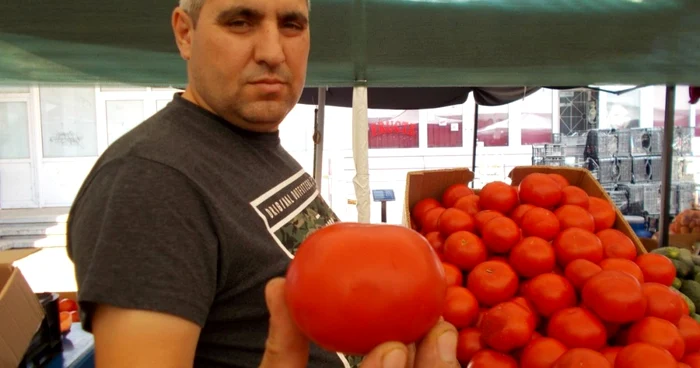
(247, 59)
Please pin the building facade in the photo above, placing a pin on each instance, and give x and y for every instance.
(50, 137)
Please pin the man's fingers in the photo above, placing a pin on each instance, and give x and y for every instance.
(286, 346)
(439, 348)
(387, 355)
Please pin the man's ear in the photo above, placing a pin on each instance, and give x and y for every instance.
(183, 26)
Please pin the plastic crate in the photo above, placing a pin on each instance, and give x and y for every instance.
(554, 161)
(607, 171)
(624, 165)
(553, 150)
(687, 196)
(619, 198)
(656, 167)
(47, 342)
(635, 198)
(652, 199)
(641, 169)
(683, 141)
(574, 139)
(640, 142)
(556, 138)
(602, 143)
(624, 144)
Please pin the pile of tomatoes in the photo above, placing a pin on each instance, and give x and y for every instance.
(538, 277)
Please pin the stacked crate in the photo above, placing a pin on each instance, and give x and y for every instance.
(628, 164)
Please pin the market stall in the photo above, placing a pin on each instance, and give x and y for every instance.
(378, 49)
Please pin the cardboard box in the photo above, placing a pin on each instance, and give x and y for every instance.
(687, 241)
(20, 311)
(431, 183)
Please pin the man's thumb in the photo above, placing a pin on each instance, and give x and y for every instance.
(286, 346)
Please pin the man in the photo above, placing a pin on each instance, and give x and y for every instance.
(181, 231)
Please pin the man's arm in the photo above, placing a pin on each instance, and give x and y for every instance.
(127, 338)
(145, 253)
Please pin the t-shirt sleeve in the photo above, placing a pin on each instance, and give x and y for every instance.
(141, 237)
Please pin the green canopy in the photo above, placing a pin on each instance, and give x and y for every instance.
(388, 43)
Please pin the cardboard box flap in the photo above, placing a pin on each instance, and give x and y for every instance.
(431, 183)
(20, 315)
(12, 255)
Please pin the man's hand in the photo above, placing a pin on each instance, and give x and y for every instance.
(287, 347)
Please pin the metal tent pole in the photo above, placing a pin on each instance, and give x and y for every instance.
(320, 123)
(667, 168)
(476, 127)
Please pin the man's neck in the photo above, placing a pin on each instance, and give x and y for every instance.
(190, 95)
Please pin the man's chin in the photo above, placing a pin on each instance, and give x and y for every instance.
(265, 113)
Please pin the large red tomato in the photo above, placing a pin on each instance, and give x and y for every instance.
(540, 222)
(453, 193)
(540, 190)
(541, 353)
(689, 328)
(658, 332)
(582, 358)
(492, 282)
(507, 326)
(577, 328)
(498, 196)
(532, 256)
(615, 296)
(354, 286)
(549, 293)
(641, 354)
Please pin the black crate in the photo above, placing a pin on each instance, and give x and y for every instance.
(47, 342)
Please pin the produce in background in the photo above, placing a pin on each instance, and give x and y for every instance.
(556, 285)
(68, 313)
(687, 222)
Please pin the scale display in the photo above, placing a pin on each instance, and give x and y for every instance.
(382, 195)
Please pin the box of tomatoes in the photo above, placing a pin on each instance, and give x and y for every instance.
(434, 188)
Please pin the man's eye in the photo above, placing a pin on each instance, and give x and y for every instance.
(239, 23)
(293, 26)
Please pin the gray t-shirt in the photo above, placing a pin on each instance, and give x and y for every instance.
(188, 215)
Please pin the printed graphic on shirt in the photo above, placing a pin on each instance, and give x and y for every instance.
(293, 210)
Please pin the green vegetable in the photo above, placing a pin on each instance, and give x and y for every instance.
(691, 289)
(696, 259)
(691, 305)
(697, 277)
(677, 283)
(682, 269)
(686, 256)
(670, 252)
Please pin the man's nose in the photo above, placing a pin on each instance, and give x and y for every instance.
(268, 49)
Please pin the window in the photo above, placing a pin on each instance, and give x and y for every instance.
(445, 127)
(122, 116)
(14, 89)
(536, 118)
(14, 126)
(682, 112)
(68, 122)
(492, 128)
(122, 88)
(622, 111)
(393, 129)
